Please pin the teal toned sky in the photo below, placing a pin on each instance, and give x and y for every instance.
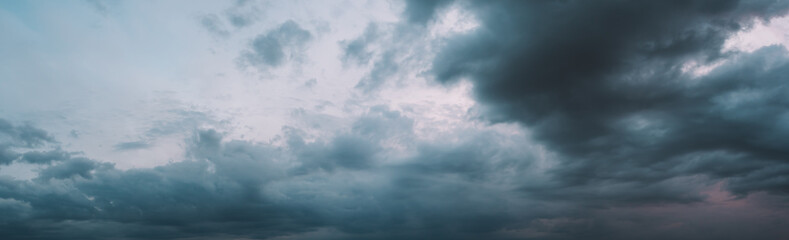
(355, 119)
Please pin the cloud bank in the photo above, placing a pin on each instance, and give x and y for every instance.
(605, 85)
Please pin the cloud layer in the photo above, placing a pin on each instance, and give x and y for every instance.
(584, 120)
(352, 182)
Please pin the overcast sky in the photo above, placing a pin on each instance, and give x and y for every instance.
(353, 119)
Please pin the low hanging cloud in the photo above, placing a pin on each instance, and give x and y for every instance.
(375, 179)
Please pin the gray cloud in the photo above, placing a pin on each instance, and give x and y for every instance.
(381, 71)
(134, 145)
(23, 136)
(45, 157)
(231, 188)
(469, 186)
(242, 14)
(272, 49)
(602, 84)
(634, 146)
(214, 25)
(7, 155)
(356, 50)
(239, 15)
(240, 19)
(80, 167)
(394, 50)
(16, 140)
(422, 11)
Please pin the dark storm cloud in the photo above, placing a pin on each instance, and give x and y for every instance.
(602, 84)
(24, 135)
(45, 157)
(230, 189)
(640, 143)
(278, 45)
(14, 140)
(219, 191)
(469, 185)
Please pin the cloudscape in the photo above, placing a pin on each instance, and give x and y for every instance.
(390, 119)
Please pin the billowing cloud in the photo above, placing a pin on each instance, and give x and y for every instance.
(375, 179)
(604, 85)
(350, 181)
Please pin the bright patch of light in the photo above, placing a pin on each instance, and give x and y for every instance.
(696, 69)
(760, 35)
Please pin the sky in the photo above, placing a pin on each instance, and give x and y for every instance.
(414, 119)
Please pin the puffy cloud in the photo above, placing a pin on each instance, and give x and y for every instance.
(375, 179)
(352, 181)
